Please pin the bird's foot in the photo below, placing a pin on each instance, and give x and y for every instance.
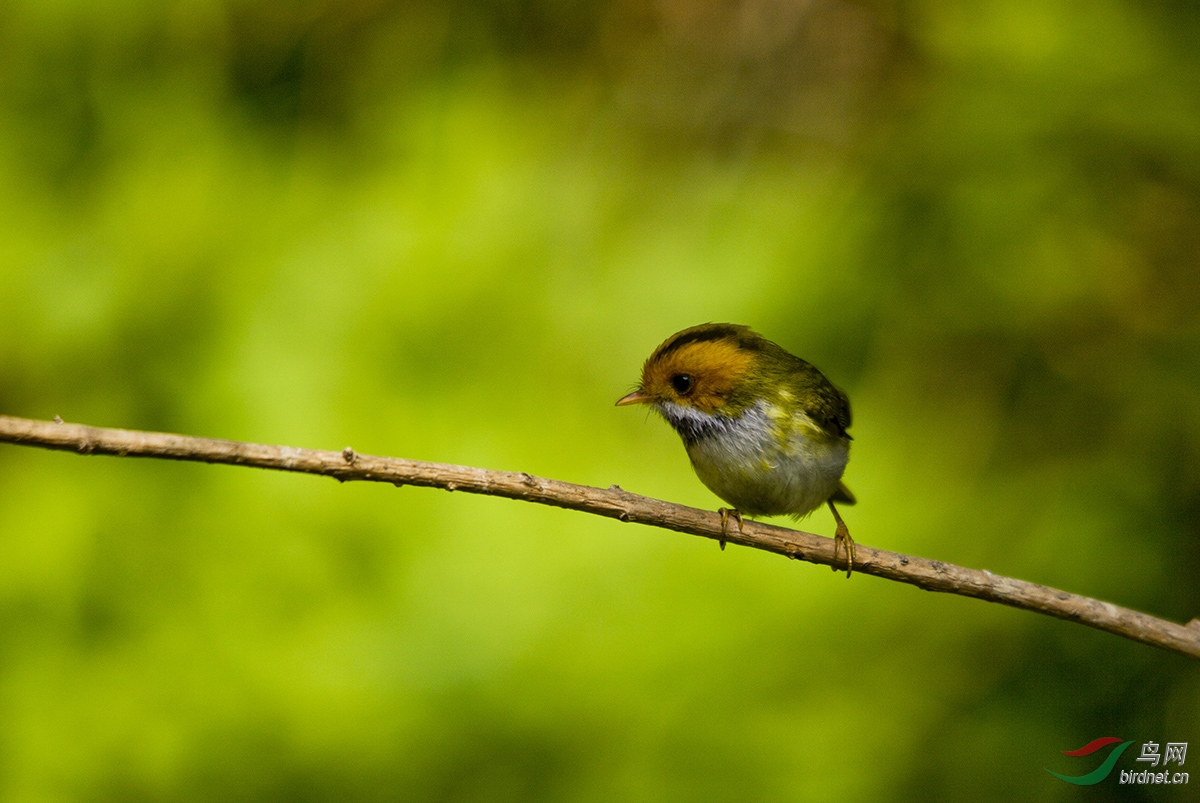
(840, 538)
(725, 514)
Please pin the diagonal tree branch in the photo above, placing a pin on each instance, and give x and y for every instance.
(931, 575)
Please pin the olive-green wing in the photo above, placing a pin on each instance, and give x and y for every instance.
(827, 406)
(830, 408)
(824, 404)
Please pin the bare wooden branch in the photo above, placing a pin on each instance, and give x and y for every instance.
(346, 465)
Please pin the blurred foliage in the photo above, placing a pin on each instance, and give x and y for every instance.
(452, 231)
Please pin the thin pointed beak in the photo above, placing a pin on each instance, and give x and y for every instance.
(637, 397)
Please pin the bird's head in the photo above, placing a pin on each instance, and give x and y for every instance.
(713, 369)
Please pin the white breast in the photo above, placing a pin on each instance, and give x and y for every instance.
(762, 462)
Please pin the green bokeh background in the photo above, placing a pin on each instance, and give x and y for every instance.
(453, 231)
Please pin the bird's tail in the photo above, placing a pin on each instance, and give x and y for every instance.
(842, 495)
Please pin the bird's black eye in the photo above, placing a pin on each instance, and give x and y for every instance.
(682, 383)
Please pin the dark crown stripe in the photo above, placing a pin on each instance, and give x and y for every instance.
(709, 332)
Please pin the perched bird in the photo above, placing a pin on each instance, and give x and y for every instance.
(765, 430)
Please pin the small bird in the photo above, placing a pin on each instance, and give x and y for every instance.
(765, 430)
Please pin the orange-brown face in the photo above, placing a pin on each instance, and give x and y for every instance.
(701, 374)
